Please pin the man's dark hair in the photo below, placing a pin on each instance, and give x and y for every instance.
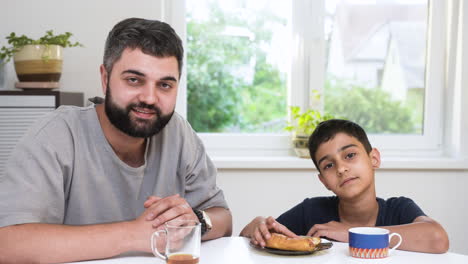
(151, 36)
(327, 130)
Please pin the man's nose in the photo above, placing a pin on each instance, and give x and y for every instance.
(148, 95)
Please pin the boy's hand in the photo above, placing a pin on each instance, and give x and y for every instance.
(333, 230)
(259, 230)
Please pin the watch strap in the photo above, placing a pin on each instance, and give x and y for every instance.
(200, 217)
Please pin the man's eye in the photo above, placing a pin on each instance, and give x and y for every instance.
(132, 80)
(350, 155)
(165, 86)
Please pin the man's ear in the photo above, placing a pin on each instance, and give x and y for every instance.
(323, 181)
(104, 78)
(375, 158)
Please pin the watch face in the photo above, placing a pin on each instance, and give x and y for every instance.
(207, 219)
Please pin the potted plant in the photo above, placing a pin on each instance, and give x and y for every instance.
(37, 60)
(302, 126)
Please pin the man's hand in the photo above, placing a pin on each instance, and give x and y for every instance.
(333, 230)
(259, 230)
(141, 231)
(161, 210)
(151, 200)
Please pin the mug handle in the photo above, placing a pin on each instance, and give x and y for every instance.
(397, 245)
(153, 248)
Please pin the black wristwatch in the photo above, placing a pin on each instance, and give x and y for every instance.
(204, 219)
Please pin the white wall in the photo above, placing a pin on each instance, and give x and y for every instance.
(88, 20)
(442, 194)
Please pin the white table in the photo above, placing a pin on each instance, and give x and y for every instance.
(236, 250)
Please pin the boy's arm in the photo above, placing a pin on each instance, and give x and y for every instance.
(258, 230)
(422, 235)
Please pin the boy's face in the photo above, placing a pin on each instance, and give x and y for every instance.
(345, 167)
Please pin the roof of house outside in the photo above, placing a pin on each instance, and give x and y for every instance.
(358, 23)
(366, 32)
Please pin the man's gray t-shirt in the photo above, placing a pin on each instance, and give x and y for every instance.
(65, 172)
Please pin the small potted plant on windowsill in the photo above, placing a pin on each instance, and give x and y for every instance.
(37, 60)
(302, 126)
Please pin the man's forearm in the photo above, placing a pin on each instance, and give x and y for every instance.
(221, 220)
(47, 243)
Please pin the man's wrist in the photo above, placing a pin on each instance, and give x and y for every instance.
(204, 220)
(130, 238)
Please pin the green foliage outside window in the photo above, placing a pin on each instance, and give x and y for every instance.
(220, 98)
(372, 108)
(212, 90)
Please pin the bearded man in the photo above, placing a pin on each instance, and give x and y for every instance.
(95, 182)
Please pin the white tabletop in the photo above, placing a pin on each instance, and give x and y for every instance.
(236, 250)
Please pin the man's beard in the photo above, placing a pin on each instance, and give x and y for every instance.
(134, 127)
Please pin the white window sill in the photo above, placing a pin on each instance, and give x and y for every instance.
(292, 162)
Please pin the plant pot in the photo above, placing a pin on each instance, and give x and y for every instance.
(300, 144)
(39, 63)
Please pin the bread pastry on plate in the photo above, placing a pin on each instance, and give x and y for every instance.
(283, 242)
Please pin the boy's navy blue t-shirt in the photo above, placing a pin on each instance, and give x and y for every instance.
(321, 210)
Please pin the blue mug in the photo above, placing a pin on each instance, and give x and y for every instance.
(371, 242)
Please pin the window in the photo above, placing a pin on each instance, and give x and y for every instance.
(330, 52)
(380, 72)
(237, 65)
(377, 61)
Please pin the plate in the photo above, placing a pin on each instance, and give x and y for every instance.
(322, 246)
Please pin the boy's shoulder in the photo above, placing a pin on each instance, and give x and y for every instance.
(321, 201)
(397, 211)
(394, 202)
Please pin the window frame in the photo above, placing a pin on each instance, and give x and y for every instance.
(312, 45)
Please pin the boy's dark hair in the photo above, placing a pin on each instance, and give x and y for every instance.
(151, 36)
(327, 130)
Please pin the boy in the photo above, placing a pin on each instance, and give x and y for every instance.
(346, 163)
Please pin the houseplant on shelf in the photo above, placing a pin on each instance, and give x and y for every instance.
(302, 126)
(37, 60)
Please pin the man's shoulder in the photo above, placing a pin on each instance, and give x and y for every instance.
(57, 132)
(67, 113)
(59, 121)
(72, 112)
